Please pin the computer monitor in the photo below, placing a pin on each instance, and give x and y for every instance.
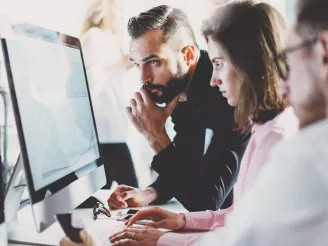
(3, 231)
(54, 118)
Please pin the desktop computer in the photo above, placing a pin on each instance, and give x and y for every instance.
(54, 118)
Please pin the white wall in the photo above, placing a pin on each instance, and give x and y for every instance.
(61, 15)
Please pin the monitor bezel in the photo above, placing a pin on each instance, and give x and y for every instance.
(40, 194)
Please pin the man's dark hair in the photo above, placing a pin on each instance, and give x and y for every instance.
(312, 17)
(171, 21)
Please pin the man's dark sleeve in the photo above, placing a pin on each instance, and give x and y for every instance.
(188, 145)
(200, 183)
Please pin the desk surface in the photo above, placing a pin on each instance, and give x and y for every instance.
(25, 215)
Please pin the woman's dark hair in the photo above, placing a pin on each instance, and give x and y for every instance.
(250, 35)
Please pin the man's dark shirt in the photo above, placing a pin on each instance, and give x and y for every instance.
(199, 181)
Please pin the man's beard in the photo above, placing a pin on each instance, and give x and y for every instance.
(174, 87)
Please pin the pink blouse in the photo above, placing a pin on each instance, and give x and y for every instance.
(263, 138)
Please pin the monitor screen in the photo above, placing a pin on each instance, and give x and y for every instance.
(53, 101)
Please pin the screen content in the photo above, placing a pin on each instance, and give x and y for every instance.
(54, 107)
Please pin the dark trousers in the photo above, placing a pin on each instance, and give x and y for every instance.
(118, 164)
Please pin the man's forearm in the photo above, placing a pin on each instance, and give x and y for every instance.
(198, 188)
(151, 194)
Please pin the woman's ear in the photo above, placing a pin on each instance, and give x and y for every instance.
(324, 42)
(189, 54)
(323, 39)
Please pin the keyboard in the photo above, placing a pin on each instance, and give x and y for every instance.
(102, 229)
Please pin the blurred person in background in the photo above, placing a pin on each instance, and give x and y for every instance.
(106, 66)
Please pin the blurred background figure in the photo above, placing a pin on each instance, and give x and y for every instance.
(106, 65)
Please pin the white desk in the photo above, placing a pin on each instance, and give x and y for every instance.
(55, 231)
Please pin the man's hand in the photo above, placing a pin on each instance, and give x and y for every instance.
(126, 196)
(162, 219)
(149, 119)
(137, 236)
(86, 238)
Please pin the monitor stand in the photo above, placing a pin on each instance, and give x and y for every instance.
(14, 191)
(20, 221)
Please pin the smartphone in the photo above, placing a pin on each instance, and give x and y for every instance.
(132, 211)
(128, 215)
(124, 217)
(71, 224)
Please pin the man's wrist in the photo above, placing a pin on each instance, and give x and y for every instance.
(159, 142)
(151, 194)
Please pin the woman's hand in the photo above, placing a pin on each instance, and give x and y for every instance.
(161, 219)
(137, 236)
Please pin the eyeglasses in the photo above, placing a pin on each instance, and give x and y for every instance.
(281, 59)
(98, 209)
